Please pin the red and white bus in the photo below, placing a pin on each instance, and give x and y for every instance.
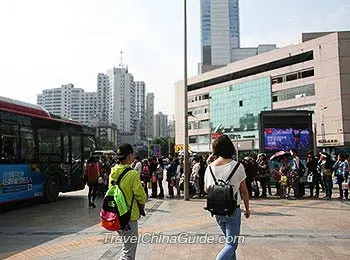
(40, 154)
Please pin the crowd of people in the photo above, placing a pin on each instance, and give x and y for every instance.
(285, 174)
(288, 173)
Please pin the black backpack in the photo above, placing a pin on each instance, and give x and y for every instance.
(221, 200)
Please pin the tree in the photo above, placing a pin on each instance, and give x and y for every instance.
(103, 144)
(165, 143)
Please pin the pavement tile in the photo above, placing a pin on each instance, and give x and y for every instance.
(277, 229)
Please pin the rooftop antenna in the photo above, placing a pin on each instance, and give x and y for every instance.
(121, 64)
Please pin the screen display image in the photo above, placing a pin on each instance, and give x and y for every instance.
(278, 139)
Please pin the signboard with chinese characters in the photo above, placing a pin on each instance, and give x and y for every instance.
(328, 142)
(180, 147)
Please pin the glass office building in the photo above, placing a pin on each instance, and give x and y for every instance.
(219, 30)
(235, 109)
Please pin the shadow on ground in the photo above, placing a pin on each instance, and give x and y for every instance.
(28, 224)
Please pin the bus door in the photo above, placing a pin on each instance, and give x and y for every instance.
(77, 174)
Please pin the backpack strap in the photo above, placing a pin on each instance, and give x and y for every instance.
(122, 175)
(126, 170)
(232, 173)
(212, 174)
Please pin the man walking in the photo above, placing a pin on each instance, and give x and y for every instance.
(135, 197)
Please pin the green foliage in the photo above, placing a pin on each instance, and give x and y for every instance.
(103, 144)
(165, 143)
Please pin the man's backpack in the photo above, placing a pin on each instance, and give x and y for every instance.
(115, 213)
(221, 200)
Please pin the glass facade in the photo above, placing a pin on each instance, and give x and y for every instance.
(205, 24)
(237, 107)
(234, 23)
(217, 15)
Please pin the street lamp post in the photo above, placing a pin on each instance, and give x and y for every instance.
(315, 137)
(186, 159)
(237, 148)
(323, 130)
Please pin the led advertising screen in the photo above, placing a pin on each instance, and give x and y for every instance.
(284, 139)
(282, 130)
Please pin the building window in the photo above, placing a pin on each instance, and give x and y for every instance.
(241, 103)
(292, 93)
(291, 77)
(307, 73)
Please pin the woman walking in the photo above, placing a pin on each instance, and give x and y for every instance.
(222, 167)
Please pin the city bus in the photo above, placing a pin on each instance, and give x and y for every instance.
(41, 154)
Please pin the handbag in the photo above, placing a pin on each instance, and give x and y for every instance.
(345, 186)
(310, 178)
(154, 178)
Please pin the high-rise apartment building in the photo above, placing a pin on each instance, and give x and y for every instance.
(118, 105)
(122, 99)
(150, 115)
(161, 125)
(103, 97)
(70, 102)
(140, 103)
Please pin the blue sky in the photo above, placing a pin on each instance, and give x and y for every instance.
(47, 43)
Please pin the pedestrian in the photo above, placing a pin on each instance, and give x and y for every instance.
(341, 168)
(160, 176)
(276, 176)
(263, 173)
(91, 176)
(135, 197)
(325, 163)
(145, 176)
(314, 176)
(285, 167)
(284, 182)
(170, 177)
(178, 176)
(152, 172)
(195, 176)
(296, 169)
(222, 167)
(138, 164)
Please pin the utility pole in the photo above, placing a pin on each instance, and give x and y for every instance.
(186, 159)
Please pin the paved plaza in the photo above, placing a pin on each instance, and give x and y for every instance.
(277, 229)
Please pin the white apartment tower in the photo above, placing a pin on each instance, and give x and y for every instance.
(150, 115)
(122, 99)
(70, 102)
(161, 125)
(103, 97)
(140, 103)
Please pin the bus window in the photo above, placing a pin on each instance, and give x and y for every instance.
(89, 146)
(9, 143)
(27, 145)
(49, 145)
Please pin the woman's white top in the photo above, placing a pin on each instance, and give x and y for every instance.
(222, 172)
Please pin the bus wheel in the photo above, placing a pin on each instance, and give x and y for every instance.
(52, 188)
